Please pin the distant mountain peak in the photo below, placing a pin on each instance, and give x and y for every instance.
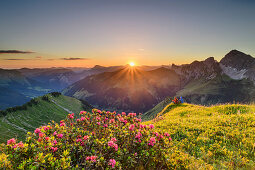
(238, 60)
(98, 67)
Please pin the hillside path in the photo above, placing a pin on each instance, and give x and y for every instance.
(69, 111)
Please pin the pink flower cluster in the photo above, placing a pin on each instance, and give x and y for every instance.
(54, 149)
(138, 136)
(45, 128)
(152, 141)
(112, 144)
(37, 130)
(60, 135)
(112, 162)
(71, 116)
(62, 124)
(11, 141)
(91, 158)
(131, 127)
(132, 114)
(151, 126)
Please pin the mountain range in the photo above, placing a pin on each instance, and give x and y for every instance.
(139, 88)
(205, 82)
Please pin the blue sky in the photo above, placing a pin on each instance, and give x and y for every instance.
(114, 32)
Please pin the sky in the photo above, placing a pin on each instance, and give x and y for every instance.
(83, 33)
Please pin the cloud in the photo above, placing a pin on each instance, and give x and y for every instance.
(15, 52)
(74, 58)
(39, 57)
(14, 59)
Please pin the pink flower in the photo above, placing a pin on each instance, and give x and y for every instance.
(156, 133)
(47, 138)
(63, 124)
(85, 137)
(54, 142)
(37, 130)
(97, 118)
(132, 114)
(112, 162)
(123, 114)
(112, 121)
(82, 112)
(41, 135)
(131, 127)
(14, 146)
(55, 133)
(60, 135)
(115, 146)
(160, 137)
(20, 144)
(82, 118)
(46, 128)
(91, 158)
(54, 149)
(138, 135)
(152, 141)
(105, 125)
(151, 126)
(78, 120)
(125, 121)
(111, 143)
(113, 139)
(121, 119)
(78, 140)
(142, 126)
(139, 120)
(170, 139)
(71, 116)
(98, 123)
(11, 141)
(166, 134)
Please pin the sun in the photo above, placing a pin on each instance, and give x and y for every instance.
(132, 64)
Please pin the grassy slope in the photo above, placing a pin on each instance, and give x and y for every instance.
(16, 124)
(220, 136)
(152, 113)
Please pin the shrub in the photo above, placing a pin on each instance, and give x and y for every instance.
(55, 94)
(3, 113)
(46, 98)
(97, 140)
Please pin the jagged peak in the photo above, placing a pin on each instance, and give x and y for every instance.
(210, 59)
(238, 60)
(237, 54)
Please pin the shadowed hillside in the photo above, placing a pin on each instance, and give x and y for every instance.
(129, 89)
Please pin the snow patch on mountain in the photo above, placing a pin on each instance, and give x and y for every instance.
(233, 72)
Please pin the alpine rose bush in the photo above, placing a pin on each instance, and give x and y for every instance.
(97, 140)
